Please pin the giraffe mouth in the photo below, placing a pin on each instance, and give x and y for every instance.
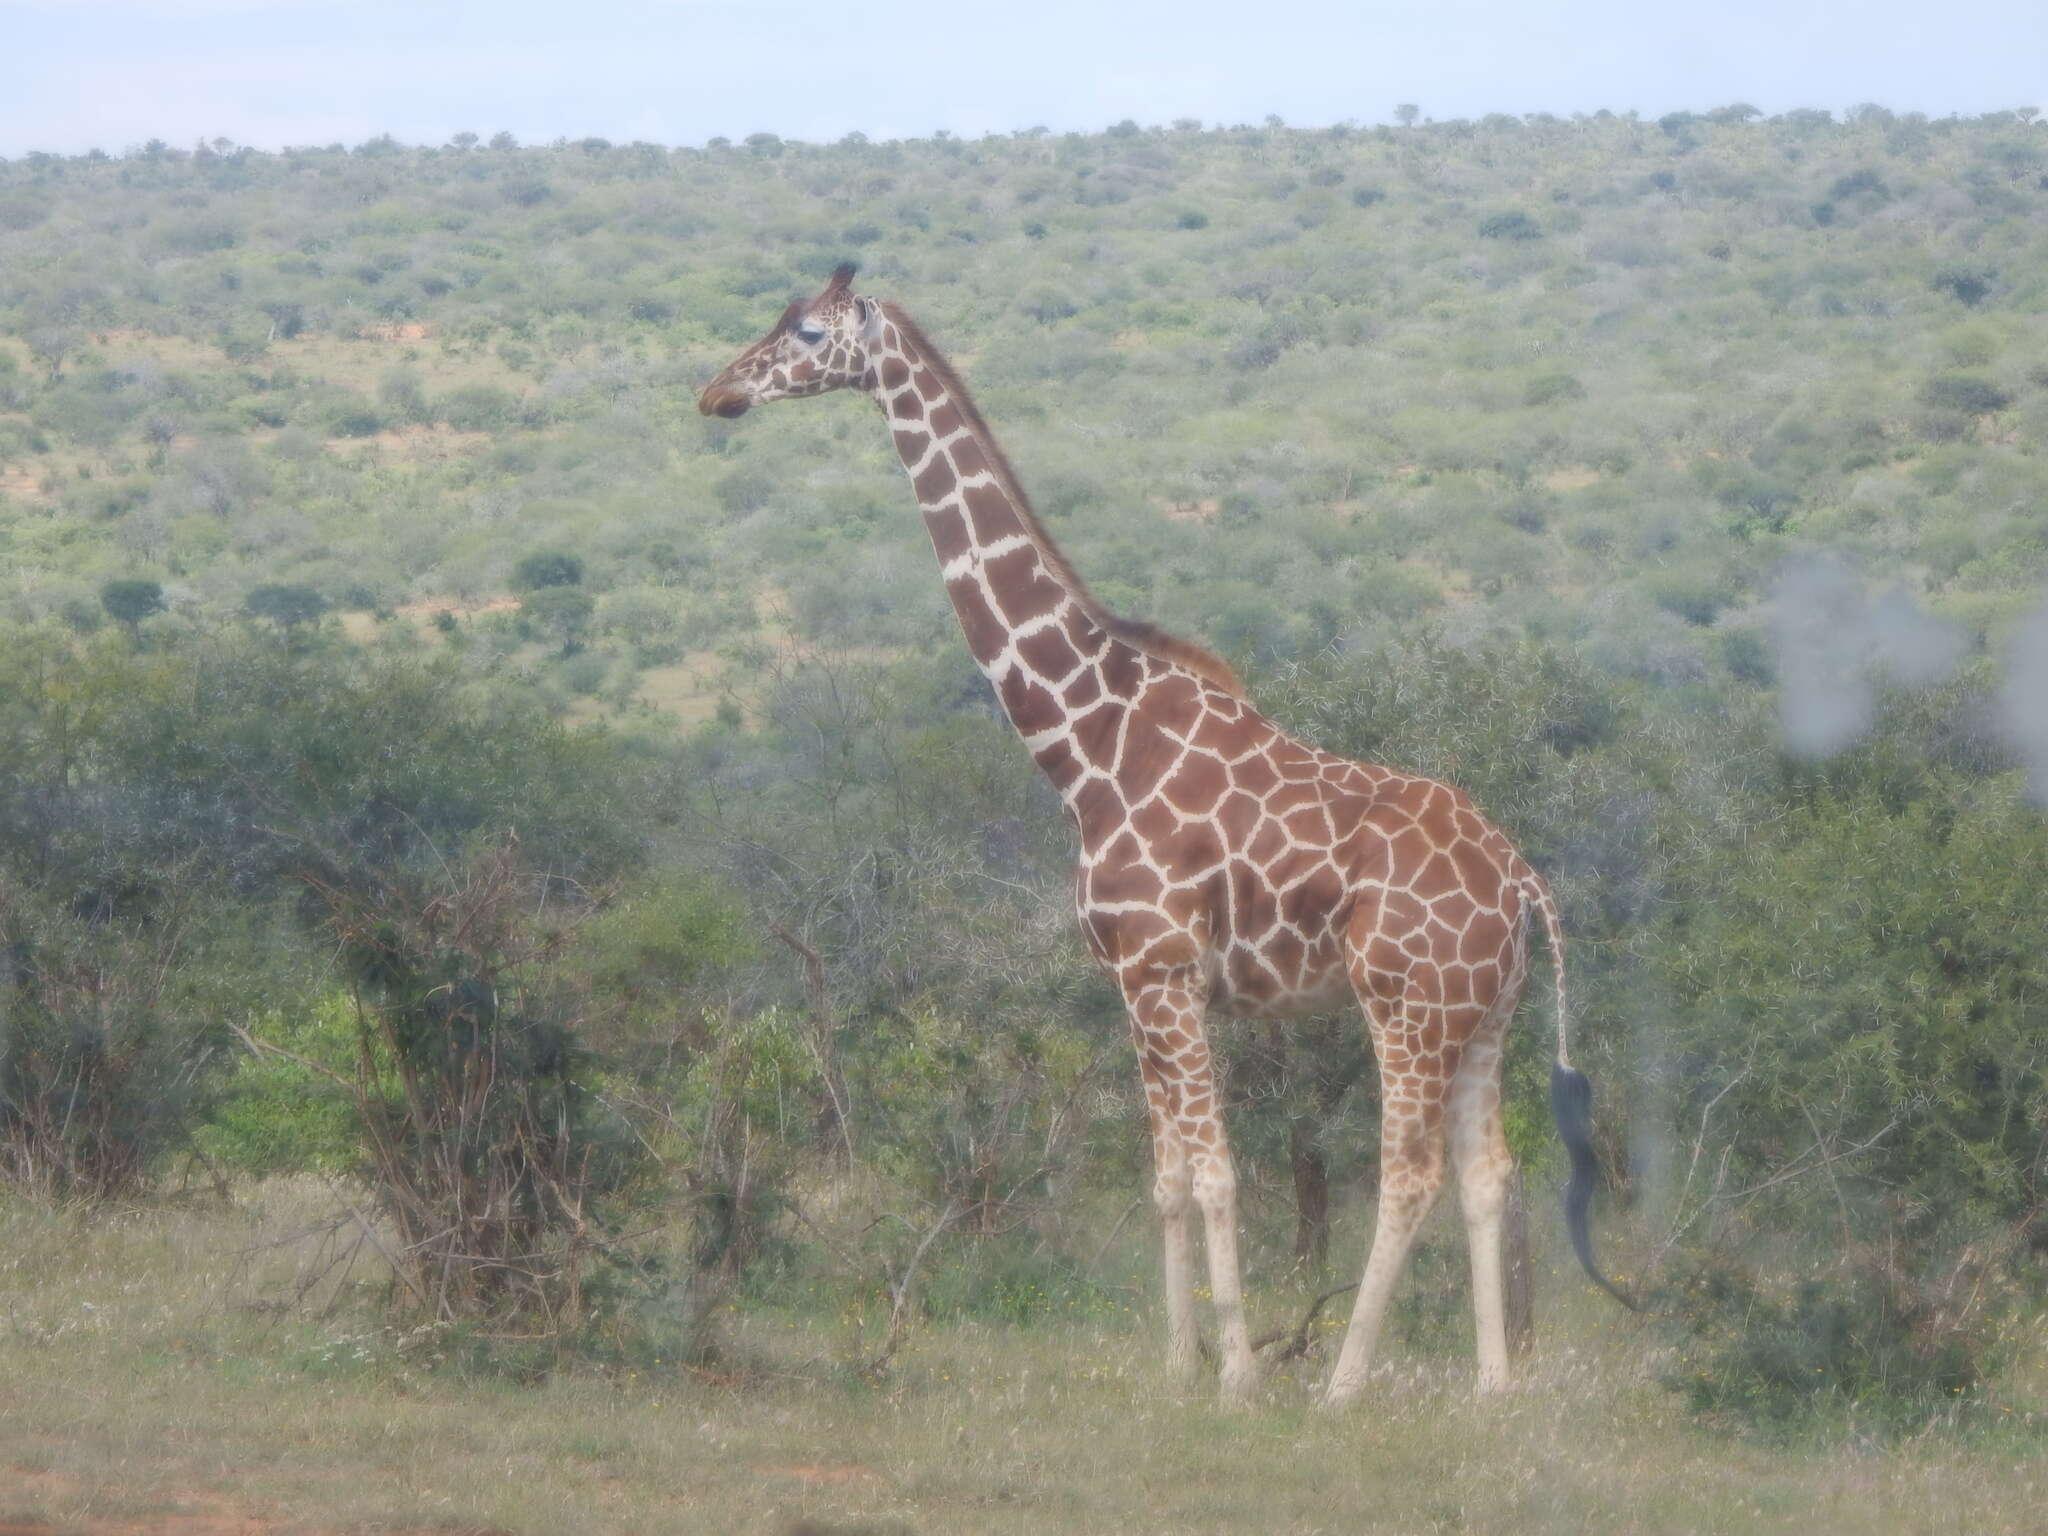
(722, 403)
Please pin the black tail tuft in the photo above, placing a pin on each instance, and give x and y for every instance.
(1571, 1102)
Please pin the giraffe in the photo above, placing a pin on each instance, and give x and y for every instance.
(1223, 865)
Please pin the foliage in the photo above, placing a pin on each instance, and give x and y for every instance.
(285, 604)
(110, 1023)
(281, 1110)
(547, 568)
(1856, 1341)
(1511, 225)
(1859, 972)
(478, 1132)
(1965, 392)
(160, 809)
(132, 600)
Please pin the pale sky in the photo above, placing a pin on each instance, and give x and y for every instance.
(114, 73)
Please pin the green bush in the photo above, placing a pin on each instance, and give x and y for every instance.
(477, 408)
(355, 421)
(1512, 225)
(1970, 393)
(107, 1028)
(547, 568)
(278, 1114)
(1852, 1343)
(1549, 387)
(130, 601)
(1970, 285)
(1861, 966)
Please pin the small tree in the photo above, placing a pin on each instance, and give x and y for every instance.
(1512, 225)
(560, 613)
(50, 345)
(1406, 113)
(159, 432)
(132, 600)
(1970, 393)
(285, 604)
(488, 1154)
(1970, 285)
(101, 1053)
(547, 568)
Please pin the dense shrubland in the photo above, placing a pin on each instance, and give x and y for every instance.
(432, 755)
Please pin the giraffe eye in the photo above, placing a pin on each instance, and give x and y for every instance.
(810, 333)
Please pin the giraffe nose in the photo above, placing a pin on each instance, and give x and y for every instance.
(722, 402)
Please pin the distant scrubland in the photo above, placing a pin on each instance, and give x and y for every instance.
(400, 676)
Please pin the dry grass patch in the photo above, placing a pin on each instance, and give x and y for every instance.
(19, 484)
(432, 444)
(1573, 477)
(146, 1378)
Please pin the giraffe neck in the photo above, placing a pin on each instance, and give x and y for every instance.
(1040, 639)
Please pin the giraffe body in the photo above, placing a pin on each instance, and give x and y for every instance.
(1222, 864)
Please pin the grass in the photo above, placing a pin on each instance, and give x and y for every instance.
(149, 1381)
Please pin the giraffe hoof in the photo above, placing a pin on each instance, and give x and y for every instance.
(1339, 1396)
(1236, 1394)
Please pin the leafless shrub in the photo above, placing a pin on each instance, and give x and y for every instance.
(97, 1060)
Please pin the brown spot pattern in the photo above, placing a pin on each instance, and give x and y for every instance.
(1223, 864)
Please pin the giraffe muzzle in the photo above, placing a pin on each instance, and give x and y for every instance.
(722, 402)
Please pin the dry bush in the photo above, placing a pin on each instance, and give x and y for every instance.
(102, 1049)
(486, 1153)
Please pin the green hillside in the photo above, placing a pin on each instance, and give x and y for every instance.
(1597, 376)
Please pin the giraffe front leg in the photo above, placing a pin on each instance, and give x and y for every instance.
(1173, 1194)
(1215, 1184)
(1192, 1155)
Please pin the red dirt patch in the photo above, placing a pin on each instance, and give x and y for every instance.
(191, 1514)
(21, 485)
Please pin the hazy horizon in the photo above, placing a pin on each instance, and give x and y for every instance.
(113, 76)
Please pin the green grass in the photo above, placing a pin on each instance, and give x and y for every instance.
(148, 1381)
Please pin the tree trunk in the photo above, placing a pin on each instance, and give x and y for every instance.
(1311, 1196)
(1323, 1065)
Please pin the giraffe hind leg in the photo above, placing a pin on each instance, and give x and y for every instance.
(1411, 1176)
(1479, 1150)
(1411, 1172)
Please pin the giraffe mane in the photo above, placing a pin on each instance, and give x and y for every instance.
(1149, 638)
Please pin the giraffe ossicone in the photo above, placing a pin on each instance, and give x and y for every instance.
(1222, 864)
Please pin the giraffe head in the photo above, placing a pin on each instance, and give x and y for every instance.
(817, 345)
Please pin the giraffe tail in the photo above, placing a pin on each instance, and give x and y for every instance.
(1571, 1104)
